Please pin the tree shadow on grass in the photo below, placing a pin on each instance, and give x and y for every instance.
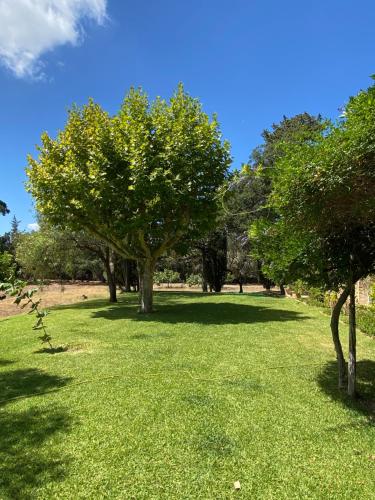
(365, 402)
(24, 463)
(161, 297)
(202, 313)
(51, 350)
(27, 382)
(6, 362)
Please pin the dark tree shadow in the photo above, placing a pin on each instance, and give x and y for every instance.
(27, 382)
(162, 298)
(6, 362)
(203, 313)
(24, 463)
(51, 350)
(365, 401)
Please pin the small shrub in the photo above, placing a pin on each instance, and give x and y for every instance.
(194, 280)
(366, 319)
(299, 287)
(315, 296)
(166, 276)
(230, 278)
(7, 267)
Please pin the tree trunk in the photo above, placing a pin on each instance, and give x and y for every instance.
(127, 270)
(241, 287)
(335, 317)
(204, 286)
(282, 289)
(146, 281)
(111, 279)
(112, 289)
(352, 363)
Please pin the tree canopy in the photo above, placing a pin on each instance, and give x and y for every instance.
(138, 180)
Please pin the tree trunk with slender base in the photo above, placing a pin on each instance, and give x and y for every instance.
(241, 287)
(352, 345)
(127, 268)
(282, 289)
(335, 317)
(146, 280)
(111, 278)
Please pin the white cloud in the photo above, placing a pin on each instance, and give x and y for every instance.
(30, 28)
(34, 226)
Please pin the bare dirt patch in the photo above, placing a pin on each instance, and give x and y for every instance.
(57, 294)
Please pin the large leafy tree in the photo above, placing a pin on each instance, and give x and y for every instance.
(245, 200)
(293, 131)
(138, 181)
(323, 192)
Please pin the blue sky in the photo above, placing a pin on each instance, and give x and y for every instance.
(250, 61)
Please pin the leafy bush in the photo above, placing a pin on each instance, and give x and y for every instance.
(194, 280)
(366, 319)
(299, 287)
(372, 294)
(315, 296)
(166, 276)
(330, 299)
(230, 278)
(7, 267)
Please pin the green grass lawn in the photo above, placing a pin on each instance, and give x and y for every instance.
(179, 404)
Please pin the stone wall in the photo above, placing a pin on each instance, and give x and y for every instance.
(363, 290)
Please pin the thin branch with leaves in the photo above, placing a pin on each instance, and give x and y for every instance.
(25, 298)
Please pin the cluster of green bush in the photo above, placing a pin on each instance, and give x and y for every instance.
(7, 267)
(194, 280)
(168, 277)
(366, 319)
(365, 315)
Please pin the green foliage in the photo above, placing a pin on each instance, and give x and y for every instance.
(24, 297)
(214, 258)
(7, 267)
(166, 276)
(323, 198)
(365, 319)
(52, 253)
(299, 287)
(315, 296)
(139, 180)
(330, 298)
(3, 208)
(194, 280)
(230, 278)
(274, 245)
(295, 130)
